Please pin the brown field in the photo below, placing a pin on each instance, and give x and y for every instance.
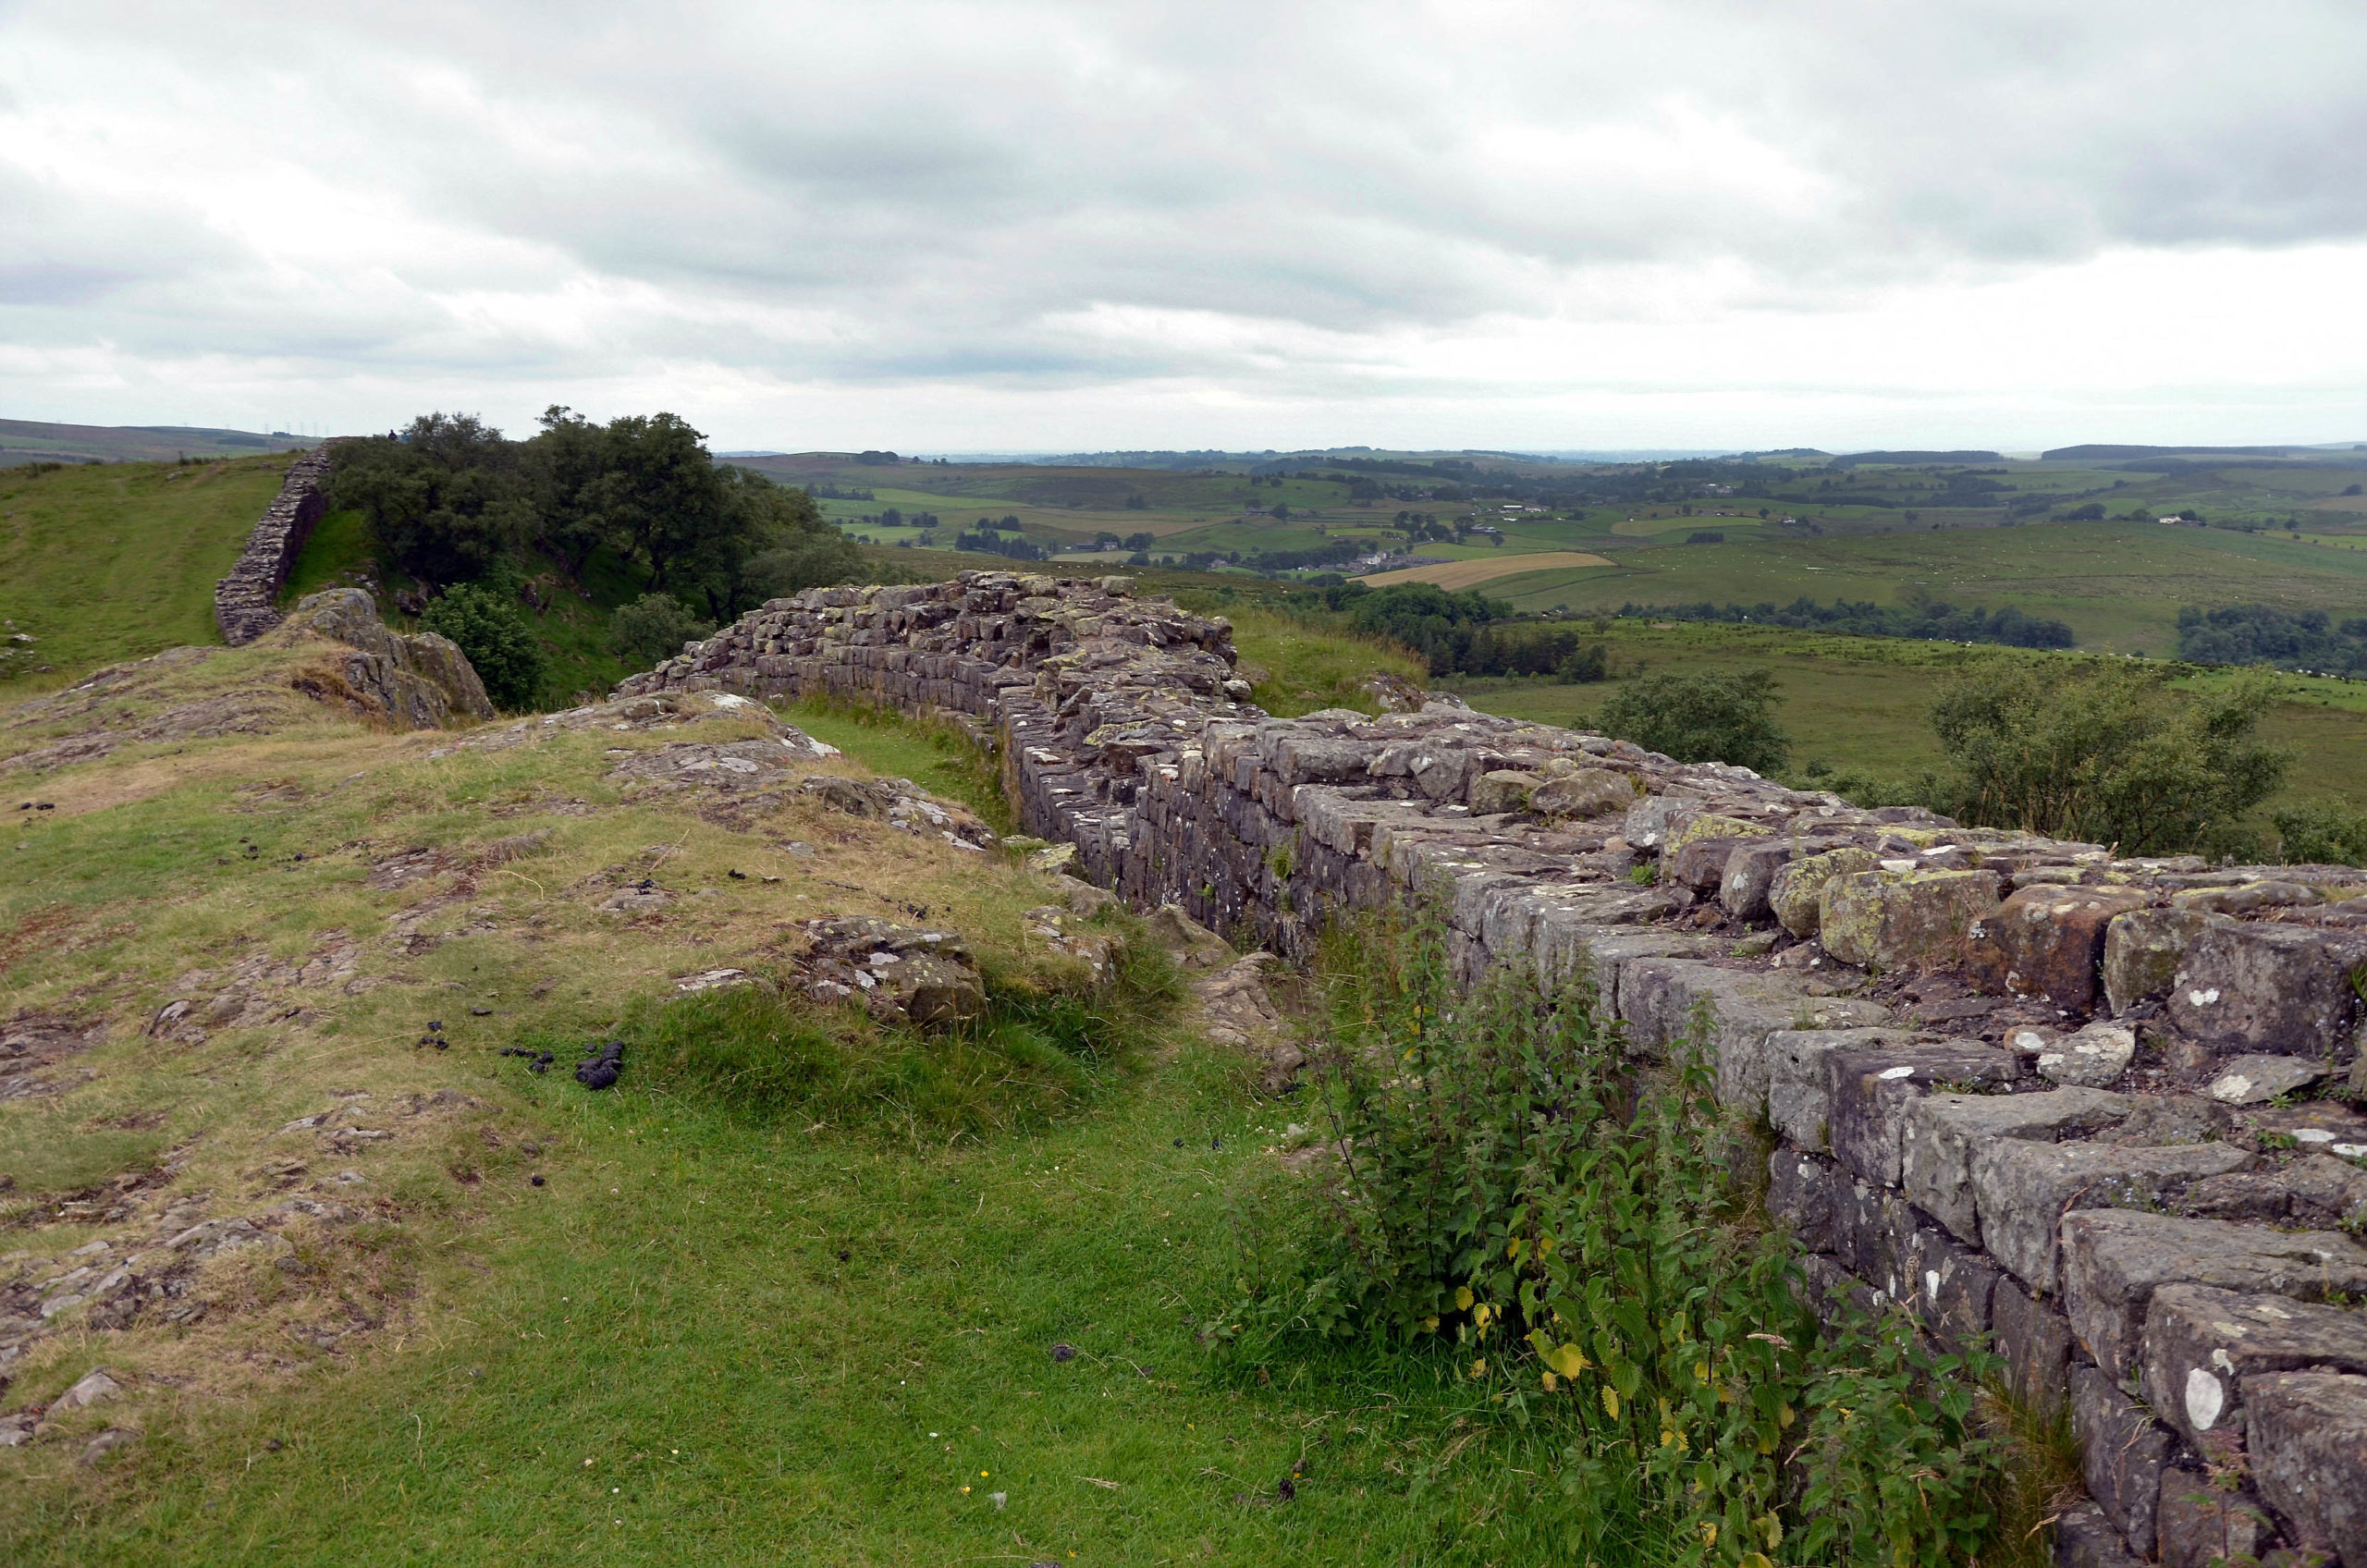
(1464, 574)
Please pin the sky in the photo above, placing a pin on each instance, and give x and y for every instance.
(1052, 227)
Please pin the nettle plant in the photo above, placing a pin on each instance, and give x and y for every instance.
(1574, 1230)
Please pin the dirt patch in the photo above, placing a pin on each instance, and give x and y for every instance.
(1453, 575)
(33, 1042)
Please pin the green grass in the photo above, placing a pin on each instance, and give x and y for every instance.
(707, 1341)
(118, 561)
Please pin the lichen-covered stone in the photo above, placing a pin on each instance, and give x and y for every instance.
(2115, 1259)
(1941, 1130)
(2122, 1453)
(1899, 920)
(1503, 789)
(1874, 1090)
(2093, 1058)
(1586, 793)
(2307, 1440)
(2023, 1191)
(2287, 989)
(2142, 949)
(2257, 1079)
(1795, 893)
(2202, 1341)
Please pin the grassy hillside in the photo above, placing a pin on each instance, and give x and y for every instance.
(119, 561)
(24, 440)
(733, 1316)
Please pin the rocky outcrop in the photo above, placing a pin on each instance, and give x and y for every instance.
(421, 681)
(2018, 1084)
(244, 601)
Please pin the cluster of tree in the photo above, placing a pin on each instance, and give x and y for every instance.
(828, 492)
(1420, 616)
(451, 502)
(1715, 716)
(1330, 552)
(1527, 648)
(2307, 639)
(1924, 618)
(1010, 524)
(2110, 755)
(989, 542)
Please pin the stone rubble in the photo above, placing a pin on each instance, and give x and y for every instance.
(2004, 1069)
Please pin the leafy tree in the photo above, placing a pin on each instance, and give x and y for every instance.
(445, 499)
(790, 545)
(1714, 717)
(654, 628)
(2113, 756)
(564, 465)
(495, 636)
(657, 490)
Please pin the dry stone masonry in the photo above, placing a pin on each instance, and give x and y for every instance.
(2098, 1110)
(243, 601)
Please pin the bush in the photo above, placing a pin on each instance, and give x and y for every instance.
(653, 629)
(2112, 756)
(1513, 1201)
(2322, 833)
(1710, 718)
(495, 636)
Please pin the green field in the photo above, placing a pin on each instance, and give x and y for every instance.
(1862, 704)
(118, 561)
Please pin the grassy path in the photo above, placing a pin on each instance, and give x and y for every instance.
(706, 1341)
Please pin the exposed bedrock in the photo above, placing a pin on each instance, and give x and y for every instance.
(2023, 1089)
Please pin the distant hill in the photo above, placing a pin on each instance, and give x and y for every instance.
(27, 441)
(2098, 453)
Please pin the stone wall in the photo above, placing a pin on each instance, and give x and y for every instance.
(243, 601)
(2092, 1108)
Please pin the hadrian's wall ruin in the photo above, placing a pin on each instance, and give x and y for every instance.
(243, 601)
(2022, 1088)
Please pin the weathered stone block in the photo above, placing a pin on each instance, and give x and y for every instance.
(2203, 1526)
(1941, 1130)
(1503, 789)
(1795, 894)
(2114, 1260)
(1805, 1194)
(2283, 989)
(1750, 876)
(2023, 1190)
(1700, 863)
(1590, 791)
(2308, 1446)
(2122, 1453)
(1899, 920)
(2201, 1342)
(2048, 941)
(2085, 1539)
(1872, 1091)
(1952, 1288)
(1658, 998)
(2256, 1079)
(2094, 1058)
(2034, 1340)
(1800, 1089)
(2142, 950)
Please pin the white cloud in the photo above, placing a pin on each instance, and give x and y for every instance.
(1044, 224)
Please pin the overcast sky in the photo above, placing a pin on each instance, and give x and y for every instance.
(1051, 226)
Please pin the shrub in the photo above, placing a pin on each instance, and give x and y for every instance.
(1708, 718)
(2322, 833)
(2112, 756)
(1510, 1197)
(495, 636)
(654, 628)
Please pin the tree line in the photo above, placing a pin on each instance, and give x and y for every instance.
(1925, 620)
(2303, 640)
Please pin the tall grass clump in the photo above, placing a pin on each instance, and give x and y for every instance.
(1510, 1198)
(1045, 1044)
